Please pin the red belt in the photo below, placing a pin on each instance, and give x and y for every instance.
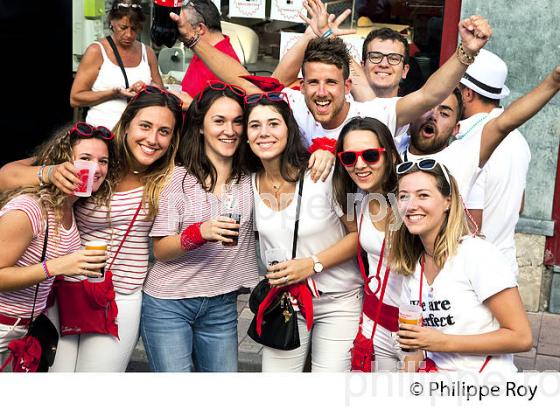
(10, 321)
(389, 315)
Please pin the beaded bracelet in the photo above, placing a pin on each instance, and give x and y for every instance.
(193, 41)
(40, 176)
(191, 237)
(464, 57)
(327, 34)
(46, 270)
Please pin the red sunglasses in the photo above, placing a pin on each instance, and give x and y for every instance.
(152, 89)
(83, 129)
(273, 96)
(370, 156)
(219, 86)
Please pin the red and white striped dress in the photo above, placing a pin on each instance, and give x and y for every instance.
(110, 224)
(60, 242)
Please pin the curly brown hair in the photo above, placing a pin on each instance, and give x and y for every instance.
(127, 8)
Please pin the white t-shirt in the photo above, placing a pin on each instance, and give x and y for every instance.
(383, 109)
(453, 304)
(371, 241)
(319, 228)
(461, 160)
(499, 188)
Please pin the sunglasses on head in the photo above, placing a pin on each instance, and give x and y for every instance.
(273, 96)
(370, 156)
(220, 86)
(426, 164)
(85, 130)
(152, 89)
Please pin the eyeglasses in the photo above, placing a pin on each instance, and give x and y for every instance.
(426, 164)
(83, 129)
(370, 156)
(219, 86)
(273, 96)
(151, 89)
(375, 57)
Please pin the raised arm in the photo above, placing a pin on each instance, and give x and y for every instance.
(518, 112)
(475, 32)
(223, 66)
(23, 173)
(319, 22)
(361, 90)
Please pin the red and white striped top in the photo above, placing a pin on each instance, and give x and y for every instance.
(60, 242)
(101, 223)
(212, 269)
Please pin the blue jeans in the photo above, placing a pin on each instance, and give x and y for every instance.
(180, 334)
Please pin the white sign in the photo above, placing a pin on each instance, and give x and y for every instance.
(287, 10)
(218, 5)
(247, 8)
(354, 44)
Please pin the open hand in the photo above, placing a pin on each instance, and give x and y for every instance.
(320, 20)
(186, 30)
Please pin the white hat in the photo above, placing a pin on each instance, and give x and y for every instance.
(487, 76)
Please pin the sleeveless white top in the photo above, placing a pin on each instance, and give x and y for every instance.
(110, 76)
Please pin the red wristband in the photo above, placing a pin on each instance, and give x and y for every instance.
(191, 238)
(324, 143)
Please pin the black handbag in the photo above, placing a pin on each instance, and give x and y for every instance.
(41, 329)
(279, 327)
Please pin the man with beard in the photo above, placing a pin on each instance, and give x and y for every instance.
(431, 132)
(321, 109)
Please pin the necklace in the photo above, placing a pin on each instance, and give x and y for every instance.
(464, 134)
(275, 187)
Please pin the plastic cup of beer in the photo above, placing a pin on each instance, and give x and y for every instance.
(97, 245)
(410, 315)
(237, 218)
(274, 256)
(86, 173)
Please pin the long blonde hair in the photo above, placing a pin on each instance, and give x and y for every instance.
(158, 173)
(56, 150)
(406, 248)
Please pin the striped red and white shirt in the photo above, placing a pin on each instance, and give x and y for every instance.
(60, 242)
(110, 224)
(212, 269)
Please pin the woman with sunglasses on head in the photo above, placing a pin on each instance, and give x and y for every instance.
(146, 142)
(365, 179)
(100, 82)
(473, 316)
(322, 278)
(40, 219)
(189, 311)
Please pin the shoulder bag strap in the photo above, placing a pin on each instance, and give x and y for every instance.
(126, 234)
(118, 57)
(43, 257)
(296, 227)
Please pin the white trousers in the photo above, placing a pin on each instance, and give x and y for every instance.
(387, 353)
(335, 324)
(100, 353)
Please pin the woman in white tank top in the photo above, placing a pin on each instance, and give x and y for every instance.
(99, 82)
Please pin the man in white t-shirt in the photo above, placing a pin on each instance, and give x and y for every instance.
(322, 109)
(430, 133)
(497, 196)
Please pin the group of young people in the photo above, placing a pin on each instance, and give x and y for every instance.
(374, 231)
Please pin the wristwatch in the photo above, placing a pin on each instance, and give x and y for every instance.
(317, 266)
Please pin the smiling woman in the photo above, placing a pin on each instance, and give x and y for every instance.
(189, 311)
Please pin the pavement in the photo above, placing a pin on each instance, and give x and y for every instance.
(545, 354)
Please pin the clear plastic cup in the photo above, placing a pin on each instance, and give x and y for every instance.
(86, 172)
(275, 255)
(97, 245)
(410, 315)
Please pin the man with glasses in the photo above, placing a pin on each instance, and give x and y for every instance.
(204, 17)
